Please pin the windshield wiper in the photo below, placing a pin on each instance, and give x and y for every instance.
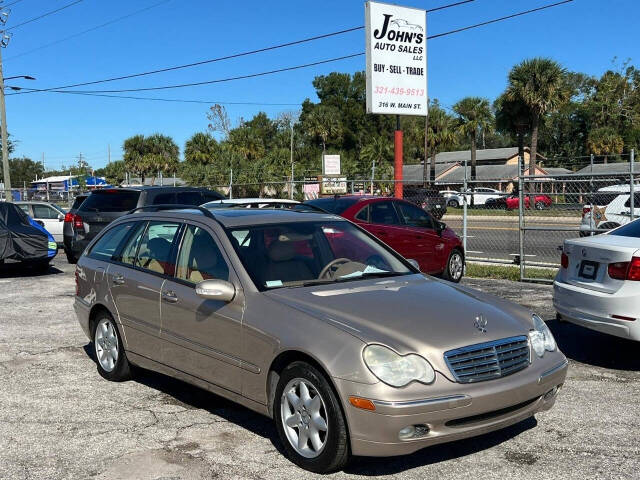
(371, 275)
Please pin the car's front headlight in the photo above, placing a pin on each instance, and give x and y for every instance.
(397, 370)
(541, 337)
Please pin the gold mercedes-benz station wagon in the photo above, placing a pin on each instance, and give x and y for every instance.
(308, 319)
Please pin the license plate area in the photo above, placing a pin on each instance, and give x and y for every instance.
(588, 269)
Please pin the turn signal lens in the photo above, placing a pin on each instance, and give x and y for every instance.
(362, 403)
(564, 260)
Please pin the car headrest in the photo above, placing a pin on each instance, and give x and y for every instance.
(281, 251)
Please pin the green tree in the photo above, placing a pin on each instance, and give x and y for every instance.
(378, 154)
(541, 85)
(23, 171)
(441, 135)
(605, 141)
(475, 117)
(114, 172)
(148, 155)
(512, 117)
(201, 149)
(323, 123)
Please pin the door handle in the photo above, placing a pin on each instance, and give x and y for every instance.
(118, 279)
(169, 297)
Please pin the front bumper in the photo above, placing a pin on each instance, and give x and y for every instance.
(454, 411)
(593, 310)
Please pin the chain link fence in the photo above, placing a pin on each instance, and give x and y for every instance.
(517, 220)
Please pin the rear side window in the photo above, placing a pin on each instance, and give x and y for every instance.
(165, 199)
(156, 246)
(602, 199)
(363, 215)
(189, 198)
(111, 201)
(107, 246)
(130, 250)
(629, 230)
(384, 213)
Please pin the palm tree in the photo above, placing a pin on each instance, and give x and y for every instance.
(323, 123)
(377, 150)
(201, 149)
(441, 134)
(162, 154)
(540, 84)
(135, 149)
(605, 141)
(474, 115)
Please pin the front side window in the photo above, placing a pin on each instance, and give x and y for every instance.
(414, 216)
(107, 246)
(636, 201)
(384, 213)
(200, 258)
(307, 253)
(155, 249)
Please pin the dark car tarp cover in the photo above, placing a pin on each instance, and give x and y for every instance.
(19, 238)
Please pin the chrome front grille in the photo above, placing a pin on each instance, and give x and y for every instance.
(486, 361)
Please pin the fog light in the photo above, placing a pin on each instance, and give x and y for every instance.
(413, 431)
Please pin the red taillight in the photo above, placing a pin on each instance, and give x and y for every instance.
(585, 210)
(75, 219)
(634, 270)
(564, 260)
(625, 270)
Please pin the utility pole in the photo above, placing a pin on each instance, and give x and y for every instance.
(5, 147)
(108, 154)
(44, 169)
(291, 160)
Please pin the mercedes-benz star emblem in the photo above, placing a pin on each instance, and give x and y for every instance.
(481, 323)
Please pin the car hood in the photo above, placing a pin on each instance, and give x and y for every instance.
(412, 313)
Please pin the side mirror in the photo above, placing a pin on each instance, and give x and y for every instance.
(60, 217)
(216, 290)
(440, 227)
(414, 263)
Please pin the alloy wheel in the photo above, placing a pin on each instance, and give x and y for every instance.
(106, 344)
(456, 266)
(304, 417)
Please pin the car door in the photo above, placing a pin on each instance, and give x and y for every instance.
(53, 219)
(385, 224)
(423, 242)
(202, 337)
(136, 278)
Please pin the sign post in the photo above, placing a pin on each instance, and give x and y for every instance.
(396, 39)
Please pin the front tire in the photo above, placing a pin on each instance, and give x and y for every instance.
(309, 420)
(540, 206)
(455, 267)
(454, 203)
(109, 351)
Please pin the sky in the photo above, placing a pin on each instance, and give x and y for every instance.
(584, 35)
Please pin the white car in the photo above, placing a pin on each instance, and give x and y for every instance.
(609, 208)
(482, 194)
(252, 203)
(598, 284)
(454, 198)
(51, 216)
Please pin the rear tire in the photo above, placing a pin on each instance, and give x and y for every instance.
(108, 348)
(454, 204)
(540, 206)
(455, 267)
(305, 403)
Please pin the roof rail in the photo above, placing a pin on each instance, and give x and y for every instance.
(169, 206)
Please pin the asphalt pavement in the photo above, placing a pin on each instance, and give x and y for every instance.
(60, 420)
(498, 238)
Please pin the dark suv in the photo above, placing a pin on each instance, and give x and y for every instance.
(429, 199)
(103, 206)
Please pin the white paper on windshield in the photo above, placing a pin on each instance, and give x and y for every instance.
(367, 269)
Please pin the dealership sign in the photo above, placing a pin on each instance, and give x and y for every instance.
(331, 164)
(396, 59)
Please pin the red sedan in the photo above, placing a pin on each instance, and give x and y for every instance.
(540, 202)
(406, 228)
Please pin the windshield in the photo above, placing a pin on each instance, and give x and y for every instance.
(310, 253)
(629, 230)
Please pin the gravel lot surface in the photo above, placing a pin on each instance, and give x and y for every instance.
(60, 419)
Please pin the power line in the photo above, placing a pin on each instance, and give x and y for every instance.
(458, 30)
(43, 15)
(175, 100)
(236, 55)
(270, 72)
(88, 30)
